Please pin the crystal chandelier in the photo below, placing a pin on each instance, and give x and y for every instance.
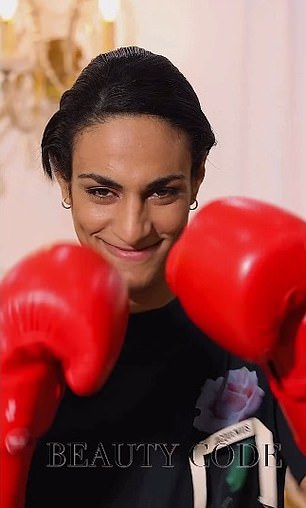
(44, 45)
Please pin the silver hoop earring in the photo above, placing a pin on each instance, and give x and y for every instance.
(65, 205)
(195, 205)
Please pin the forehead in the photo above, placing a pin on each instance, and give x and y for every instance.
(134, 147)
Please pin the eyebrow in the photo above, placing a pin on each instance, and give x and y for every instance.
(108, 182)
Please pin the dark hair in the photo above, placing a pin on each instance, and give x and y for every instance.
(126, 81)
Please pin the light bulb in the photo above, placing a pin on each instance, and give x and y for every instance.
(8, 9)
(109, 9)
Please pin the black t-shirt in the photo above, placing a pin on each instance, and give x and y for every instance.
(178, 421)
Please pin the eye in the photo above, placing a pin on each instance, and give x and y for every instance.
(166, 192)
(102, 193)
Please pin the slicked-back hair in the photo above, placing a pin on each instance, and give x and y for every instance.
(126, 81)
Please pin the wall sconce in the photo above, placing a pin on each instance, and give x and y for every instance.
(44, 46)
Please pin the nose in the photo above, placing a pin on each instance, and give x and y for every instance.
(132, 223)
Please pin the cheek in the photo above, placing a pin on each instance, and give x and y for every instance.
(170, 221)
(88, 217)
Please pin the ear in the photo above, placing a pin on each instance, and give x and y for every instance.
(197, 180)
(65, 188)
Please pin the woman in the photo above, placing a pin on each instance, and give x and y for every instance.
(128, 148)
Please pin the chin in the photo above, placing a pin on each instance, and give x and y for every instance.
(136, 285)
(141, 283)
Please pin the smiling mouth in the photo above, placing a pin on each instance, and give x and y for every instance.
(132, 254)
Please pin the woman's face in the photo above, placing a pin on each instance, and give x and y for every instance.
(130, 194)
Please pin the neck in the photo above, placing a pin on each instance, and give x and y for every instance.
(150, 298)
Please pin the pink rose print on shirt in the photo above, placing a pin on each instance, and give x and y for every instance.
(226, 401)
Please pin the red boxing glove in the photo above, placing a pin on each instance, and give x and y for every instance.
(63, 317)
(239, 270)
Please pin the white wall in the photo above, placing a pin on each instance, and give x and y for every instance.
(246, 60)
(31, 213)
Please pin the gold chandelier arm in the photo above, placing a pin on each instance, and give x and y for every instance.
(44, 59)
